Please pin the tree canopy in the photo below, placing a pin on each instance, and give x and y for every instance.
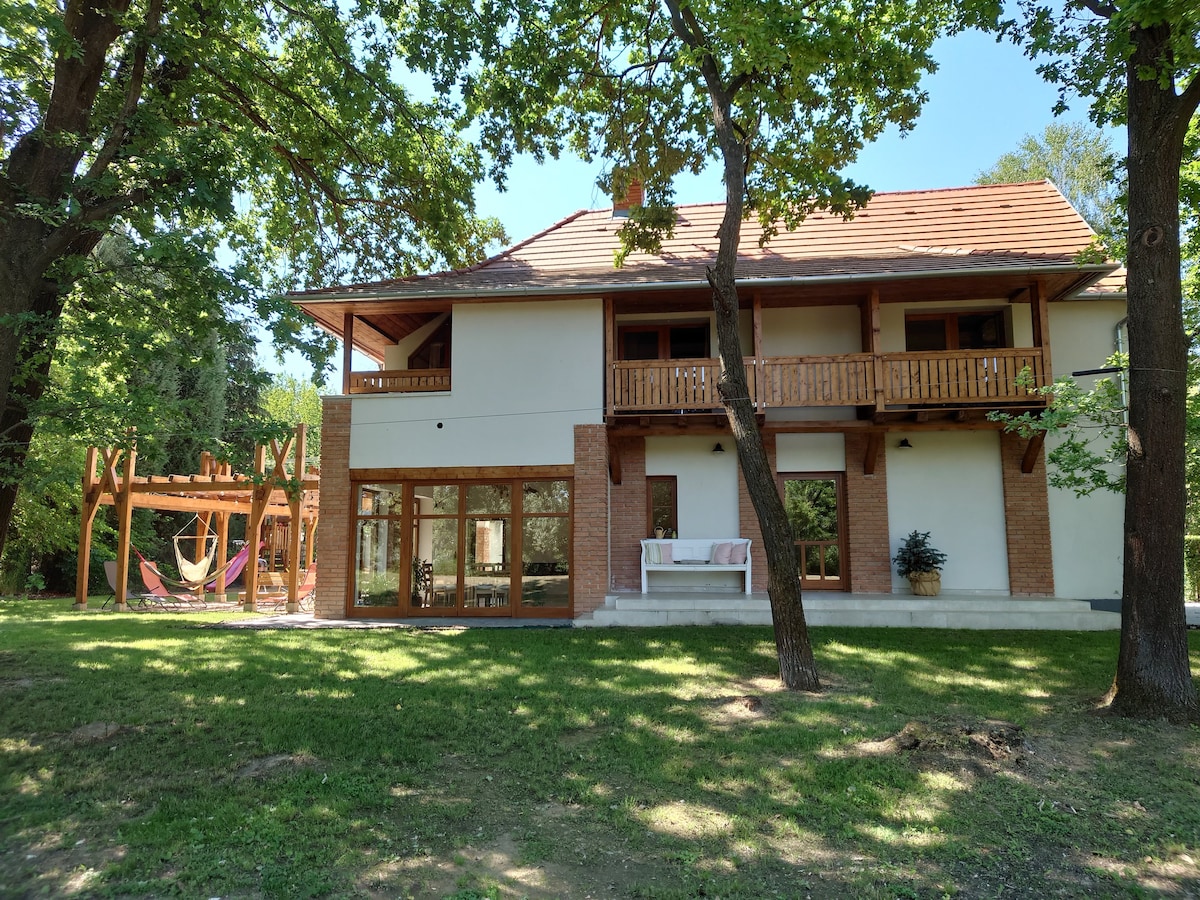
(1079, 159)
(281, 133)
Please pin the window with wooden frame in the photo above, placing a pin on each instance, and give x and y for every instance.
(670, 340)
(966, 330)
(662, 504)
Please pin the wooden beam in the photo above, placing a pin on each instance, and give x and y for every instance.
(871, 456)
(1032, 450)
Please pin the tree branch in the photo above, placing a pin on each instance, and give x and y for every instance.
(133, 92)
(1103, 10)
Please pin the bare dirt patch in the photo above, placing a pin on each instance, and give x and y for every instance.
(268, 765)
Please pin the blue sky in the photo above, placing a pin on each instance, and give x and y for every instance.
(984, 98)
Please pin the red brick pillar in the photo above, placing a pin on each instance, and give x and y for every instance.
(1026, 521)
(748, 522)
(335, 524)
(629, 516)
(867, 519)
(589, 537)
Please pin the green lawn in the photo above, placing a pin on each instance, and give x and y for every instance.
(150, 754)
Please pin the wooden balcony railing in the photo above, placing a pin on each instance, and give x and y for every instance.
(399, 381)
(960, 376)
(936, 378)
(666, 384)
(817, 380)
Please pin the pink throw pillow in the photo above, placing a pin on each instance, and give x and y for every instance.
(722, 554)
(738, 556)
(666, 550)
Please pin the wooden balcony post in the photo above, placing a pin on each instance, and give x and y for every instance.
(610, 341)
(756, 392)
(1040, 312)
(347, 350)
(872, 333)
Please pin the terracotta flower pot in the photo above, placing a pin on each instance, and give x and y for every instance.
(925, 584)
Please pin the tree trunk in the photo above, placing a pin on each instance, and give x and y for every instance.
(1153, 677)
(797, 668)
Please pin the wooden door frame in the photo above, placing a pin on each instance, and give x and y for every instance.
(843, 542)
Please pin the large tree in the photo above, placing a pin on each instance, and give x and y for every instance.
(782, 94)
(1140, 62)
(1081, 162)
(278, 128)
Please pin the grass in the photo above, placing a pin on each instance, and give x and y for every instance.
(155, 755)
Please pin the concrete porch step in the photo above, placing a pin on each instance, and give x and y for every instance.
(971, 611)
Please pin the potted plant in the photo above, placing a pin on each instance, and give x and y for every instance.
(921, 564)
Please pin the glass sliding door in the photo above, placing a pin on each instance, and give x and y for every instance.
(470, 548)
(816, 512)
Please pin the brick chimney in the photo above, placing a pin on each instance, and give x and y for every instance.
(633, 197)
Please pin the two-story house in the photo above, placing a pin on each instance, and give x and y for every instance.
(533, 417)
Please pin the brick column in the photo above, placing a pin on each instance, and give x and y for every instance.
(589, 536)
(1026, 521)
(748, 522)
(867, 519)
(629, 517)
(335, 523)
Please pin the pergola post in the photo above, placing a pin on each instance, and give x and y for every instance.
(296, 503)
(91, 505)
(258, 511)
(123, 500)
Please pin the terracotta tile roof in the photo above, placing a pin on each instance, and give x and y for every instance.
(1011, 226)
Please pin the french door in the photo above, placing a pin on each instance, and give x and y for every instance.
(815, 504)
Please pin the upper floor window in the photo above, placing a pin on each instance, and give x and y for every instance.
(973, 330)
(680, 340)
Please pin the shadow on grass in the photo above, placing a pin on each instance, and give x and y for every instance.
(145, 755)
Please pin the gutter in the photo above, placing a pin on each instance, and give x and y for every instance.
(1098, 270)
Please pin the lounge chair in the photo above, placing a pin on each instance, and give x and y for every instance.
(157, 593)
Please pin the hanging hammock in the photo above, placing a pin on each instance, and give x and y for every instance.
(238, 560)
(197, 571)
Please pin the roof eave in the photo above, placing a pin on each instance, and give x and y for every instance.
(1090, 273)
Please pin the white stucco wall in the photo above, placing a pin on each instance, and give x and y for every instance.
(1085, 532)
(707, 485)
(949, 484)
(812, 331)
(524, 374)
(810, 453)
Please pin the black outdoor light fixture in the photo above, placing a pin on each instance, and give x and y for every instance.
(718, 448)
(904, 444)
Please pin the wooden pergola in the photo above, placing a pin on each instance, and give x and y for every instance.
(216, 493)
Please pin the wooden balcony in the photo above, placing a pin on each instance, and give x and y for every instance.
(399, 381)
(939, 379)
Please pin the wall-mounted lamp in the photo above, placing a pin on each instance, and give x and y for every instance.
(904, 444)
(717, 448)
